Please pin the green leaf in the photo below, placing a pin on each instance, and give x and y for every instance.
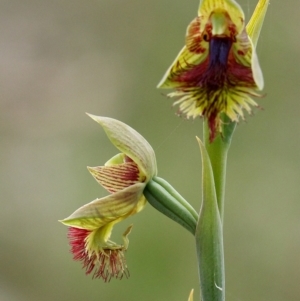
(209, 237)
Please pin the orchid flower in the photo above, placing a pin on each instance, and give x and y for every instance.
(125, 176)
(217, 71)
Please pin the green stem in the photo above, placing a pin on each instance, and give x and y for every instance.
(171, 190)
(168, 203)
(217, 151)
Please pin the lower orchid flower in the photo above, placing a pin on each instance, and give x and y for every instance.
(125, 176)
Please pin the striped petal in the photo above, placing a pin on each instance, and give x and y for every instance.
(116, 177)
(194, 53)
(110, 209)
(255, 24)
(131, 143)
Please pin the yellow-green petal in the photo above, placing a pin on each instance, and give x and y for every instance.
(114, 207)
(184, 59)
(194, 53)
(255, 24)
(191, 295)
(129, 142)
(230, 7)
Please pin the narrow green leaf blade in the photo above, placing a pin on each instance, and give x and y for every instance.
(209, 237)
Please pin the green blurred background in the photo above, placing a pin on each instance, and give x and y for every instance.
(62, 58)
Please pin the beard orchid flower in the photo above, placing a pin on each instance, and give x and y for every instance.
(217, 71)
(125, 176)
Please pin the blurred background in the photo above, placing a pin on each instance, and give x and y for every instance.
(62, 58)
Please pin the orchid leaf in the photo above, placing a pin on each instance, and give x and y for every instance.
(209, 237)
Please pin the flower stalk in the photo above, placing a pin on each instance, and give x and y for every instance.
(217, 151)
(163, 197)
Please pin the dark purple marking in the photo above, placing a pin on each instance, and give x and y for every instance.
(219, 49)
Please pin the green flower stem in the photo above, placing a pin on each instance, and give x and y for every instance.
(165, 202)
(217, 151)
(176, 195)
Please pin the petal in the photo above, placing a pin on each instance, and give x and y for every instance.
(101, 261)
(125, 237)
(194, 53)
(117, 177)
(183, 61)
(191, 295)
(235, 12)
(255, 24)
(111, 208)
(256, 70)
(245, 56)
(131, 143)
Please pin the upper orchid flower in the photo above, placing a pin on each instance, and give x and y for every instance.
(217, 71)
(125, 176)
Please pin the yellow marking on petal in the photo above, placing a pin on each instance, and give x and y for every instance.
(255, 24)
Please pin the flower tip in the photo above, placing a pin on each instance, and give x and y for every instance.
(257, 19)
(199, 141)
(162, 83)
(191, 295)
(125, 236)
(64, 222)
(128, 230)
(94, 117)
(90, 115)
